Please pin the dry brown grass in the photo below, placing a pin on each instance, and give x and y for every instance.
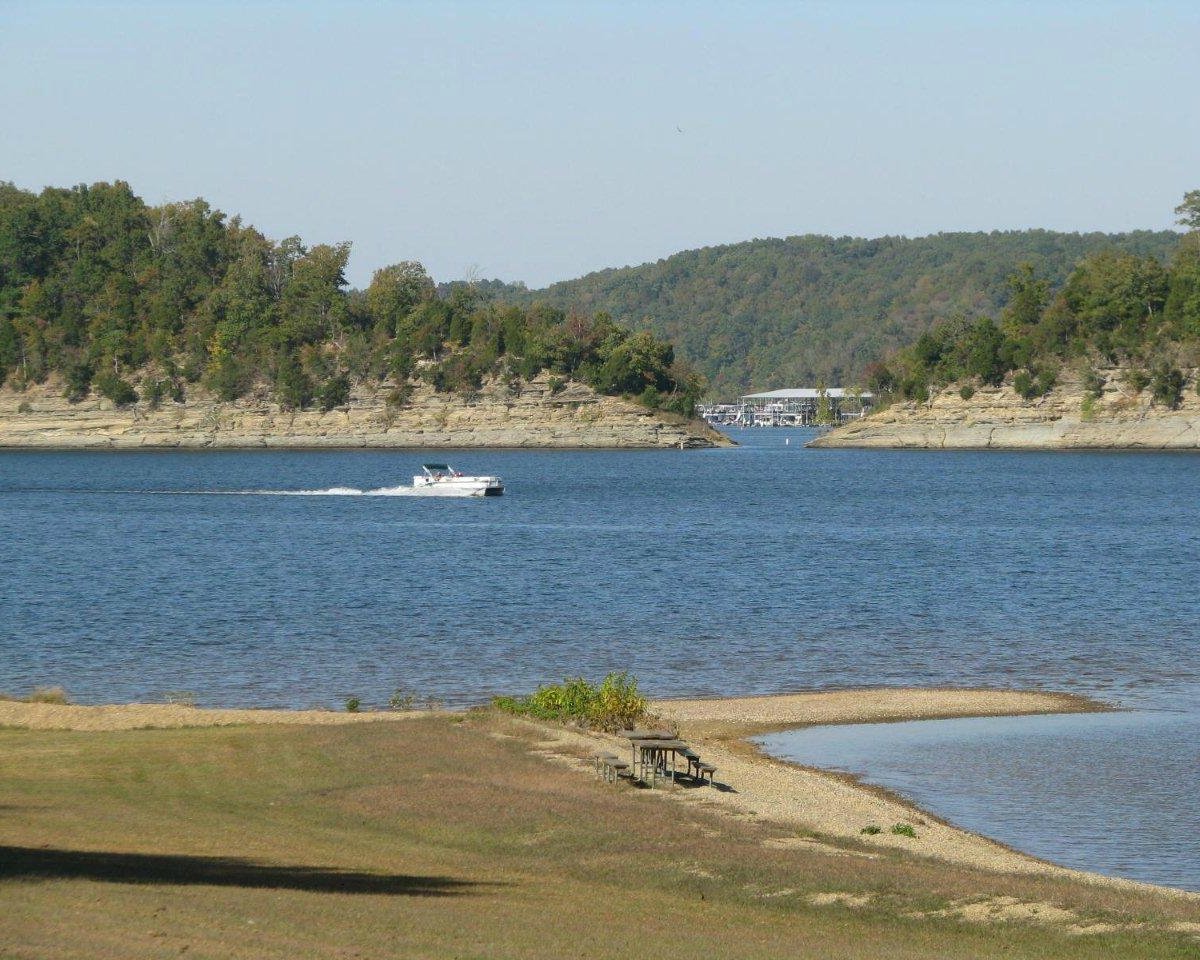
(445, 837)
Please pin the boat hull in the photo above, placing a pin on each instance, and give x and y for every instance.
(458, 486)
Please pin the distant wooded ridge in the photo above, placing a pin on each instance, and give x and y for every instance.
(1116, 309)
(811, 309)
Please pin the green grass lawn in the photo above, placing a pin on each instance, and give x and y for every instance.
(444, 837)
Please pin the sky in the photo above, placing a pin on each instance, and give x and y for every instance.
(539, 141)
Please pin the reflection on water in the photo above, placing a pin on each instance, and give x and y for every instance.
(1114, 793)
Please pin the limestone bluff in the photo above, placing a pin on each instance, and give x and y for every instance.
(538, 413)
(1065, 418)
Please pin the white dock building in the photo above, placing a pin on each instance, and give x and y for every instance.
(796, 407)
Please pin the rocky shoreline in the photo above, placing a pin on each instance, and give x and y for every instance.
(535, 414)
(1066, 418)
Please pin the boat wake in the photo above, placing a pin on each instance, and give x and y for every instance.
(353, 492)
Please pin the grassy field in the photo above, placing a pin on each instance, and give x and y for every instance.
(447, 837)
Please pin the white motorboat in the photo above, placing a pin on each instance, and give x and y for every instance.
(440, 479)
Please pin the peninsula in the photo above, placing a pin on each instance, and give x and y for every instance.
(1110, 360)
(127, 325)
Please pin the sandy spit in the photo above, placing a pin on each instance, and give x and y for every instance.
(827, 808)
(138, 716)
(730, 717)
(837, 806)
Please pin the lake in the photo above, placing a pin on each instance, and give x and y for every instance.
(760, 568)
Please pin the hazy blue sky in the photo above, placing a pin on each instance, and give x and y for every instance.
(538, 141)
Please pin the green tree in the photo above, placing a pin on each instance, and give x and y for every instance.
(293, 387)
(395, 291)
(1189, 210)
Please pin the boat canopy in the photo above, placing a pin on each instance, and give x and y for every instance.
(436, 466)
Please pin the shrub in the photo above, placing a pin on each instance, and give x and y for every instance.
(401, 700)
(334, 392)
(353, 704)
(116, 389)
(182, 698)
(871, 830)
(915, 389)
(1031, 384)
(1023, 385)
(556, 384)
(293, 387)
(49, 695)
(650, 397)
(1093, 384)
(903, 830)
(399, 395)
(967, 391)
(614, 704)
(79, 381)
(1166, 386)
(154, 391)
(1135, 379)
(24, 407)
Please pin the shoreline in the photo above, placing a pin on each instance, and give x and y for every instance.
(827, 808)
(833, 799)
(536, 414)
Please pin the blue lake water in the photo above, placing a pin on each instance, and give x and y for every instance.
(1113, 793)
(759, 568)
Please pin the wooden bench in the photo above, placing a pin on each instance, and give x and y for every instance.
(703, 770)
(609, 766)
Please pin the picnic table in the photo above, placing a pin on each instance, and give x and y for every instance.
(652, 754)
(651, 751)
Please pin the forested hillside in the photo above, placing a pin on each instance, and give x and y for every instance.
(138, 303)
(772, 313)
(1117, 309)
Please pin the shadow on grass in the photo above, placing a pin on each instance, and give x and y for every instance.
(33, 863)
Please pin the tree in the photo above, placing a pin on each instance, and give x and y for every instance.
(1189, 210)
(824, 407)
(293, 387)
(395, 291)
(985, 353)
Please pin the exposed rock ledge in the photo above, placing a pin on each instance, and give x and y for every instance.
(534, 416)
(996, 417)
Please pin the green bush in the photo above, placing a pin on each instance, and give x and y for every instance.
(650, 397)
(293, 387)
(1031, 385)
(871, 830)
(1024, 386)
(1136, 380)
(399, 395)
(334, 392)
(614, 704)
(1093, 384)
(79, 381)
(353, 704)
(1166, 386)
(119, 391)
(903, 830)
(967, 391)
